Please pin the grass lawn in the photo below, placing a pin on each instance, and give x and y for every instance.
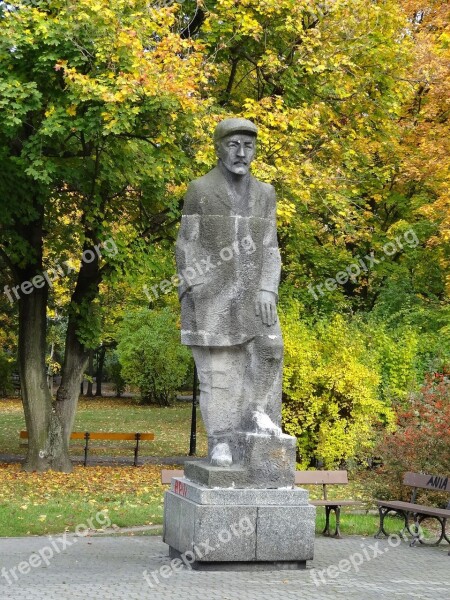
(36, 504)
(123, 496)
(171, 426)
(359, 524)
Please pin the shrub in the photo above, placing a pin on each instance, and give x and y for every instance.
(395, 353)
(114, 369)
(151, 354)
(330, 393)
(421, 442)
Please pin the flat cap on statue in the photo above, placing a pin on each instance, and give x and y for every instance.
(230, 126)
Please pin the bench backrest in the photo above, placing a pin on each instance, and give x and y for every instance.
(438, 483)
(167, 474)
(320, 477)
(103, 435)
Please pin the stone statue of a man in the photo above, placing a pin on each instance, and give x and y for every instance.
(228, 258)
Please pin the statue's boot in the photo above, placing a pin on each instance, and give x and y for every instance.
(221, 455)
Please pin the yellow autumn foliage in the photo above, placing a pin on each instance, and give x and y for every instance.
(331, 402)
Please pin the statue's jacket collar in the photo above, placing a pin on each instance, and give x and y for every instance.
(217, 197)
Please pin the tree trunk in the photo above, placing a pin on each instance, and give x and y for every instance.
(49, 424)
(75, 362)
(47, 448)
(76, 354)
(100, 364)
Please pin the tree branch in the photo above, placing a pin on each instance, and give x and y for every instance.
(9, 262)
(194, 26)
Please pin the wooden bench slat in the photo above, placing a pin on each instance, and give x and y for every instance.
(147, 436)
(167, 474)
(427, 482)
(103, 435)
(415, 508)
(320, 477)
(107, 435)
(335, 502)
(76, 435)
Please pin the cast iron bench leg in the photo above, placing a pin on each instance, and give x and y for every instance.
(86, 448)
(418, 518)
(326, 531)
(136, 449)
(415, 531)
(447, 538)
(382, 512)
(337, 512)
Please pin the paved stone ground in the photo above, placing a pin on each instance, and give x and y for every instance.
(112, 568)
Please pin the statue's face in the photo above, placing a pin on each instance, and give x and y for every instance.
(236, 151)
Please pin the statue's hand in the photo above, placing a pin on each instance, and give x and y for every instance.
(266, 307)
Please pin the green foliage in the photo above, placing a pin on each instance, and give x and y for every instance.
(114, 369)
(151, 355)
(393, 353)
(344, 376)
(5, 372)
(330, 393)
(97, 101)
(413, 324)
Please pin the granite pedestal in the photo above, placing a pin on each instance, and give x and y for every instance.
(260, 461)
(238, 528)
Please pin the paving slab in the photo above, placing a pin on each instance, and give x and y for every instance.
(139, 568)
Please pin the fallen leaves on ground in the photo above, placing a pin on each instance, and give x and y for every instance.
(10, 406)
(89, 483)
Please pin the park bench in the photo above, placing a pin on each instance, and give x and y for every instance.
(325, 478)
(419, 512)
(322, 478)
(87, 436)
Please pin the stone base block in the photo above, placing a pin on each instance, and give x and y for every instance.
(181, 486)
(244, 527)
(259, 461)
(285, 565)
(203, 473)
(269, 459)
